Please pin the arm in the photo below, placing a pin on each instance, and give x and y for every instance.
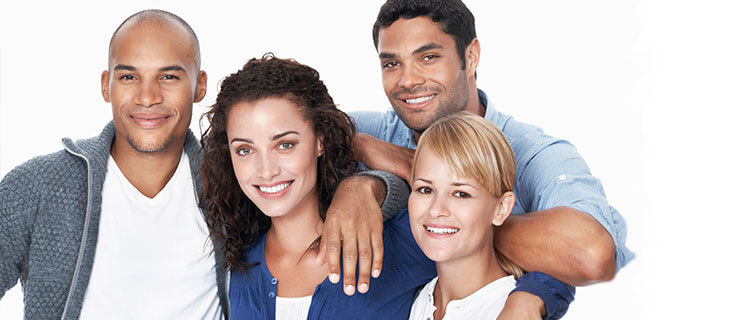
(354, 225)
(563, 242)
(380, 155)
(15, 215)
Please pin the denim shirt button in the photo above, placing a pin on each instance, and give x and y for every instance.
(273, 281)
(271, 294)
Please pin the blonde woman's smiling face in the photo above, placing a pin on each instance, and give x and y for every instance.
(451, 217)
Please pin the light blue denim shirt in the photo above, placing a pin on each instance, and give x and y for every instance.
(550, 172)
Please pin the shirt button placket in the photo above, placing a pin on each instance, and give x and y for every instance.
(272, 294)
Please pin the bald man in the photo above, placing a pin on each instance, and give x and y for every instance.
(111, 226)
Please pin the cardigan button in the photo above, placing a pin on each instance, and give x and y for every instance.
(272, 295)
(274, 281)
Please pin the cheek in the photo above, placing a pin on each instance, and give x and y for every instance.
(417, 206)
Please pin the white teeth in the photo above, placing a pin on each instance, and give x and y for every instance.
(442, 230)
(275, 188)
(419, 100)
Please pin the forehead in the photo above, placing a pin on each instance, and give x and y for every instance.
(407, 35)
(153, 44)
(269, 115)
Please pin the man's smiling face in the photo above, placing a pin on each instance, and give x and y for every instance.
(152, 83)
(422, 72)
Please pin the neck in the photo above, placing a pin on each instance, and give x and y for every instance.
(294, 232)
(474, 105)
(147, 172)
(461, 277)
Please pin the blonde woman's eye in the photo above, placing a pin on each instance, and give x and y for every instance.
(461, 194)
(425, 190)
(286, 146)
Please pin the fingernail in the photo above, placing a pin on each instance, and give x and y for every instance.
(363, 288)
(333, 277)
(375, 273)
(349, 290)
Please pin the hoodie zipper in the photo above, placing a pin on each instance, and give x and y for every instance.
(84, 239)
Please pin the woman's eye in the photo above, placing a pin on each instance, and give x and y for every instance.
(244, 151)
(425, 190)
(286, 146)
(460, 194)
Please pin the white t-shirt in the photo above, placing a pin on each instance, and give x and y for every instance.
(293, 308)
(486, 303)
(153, 257)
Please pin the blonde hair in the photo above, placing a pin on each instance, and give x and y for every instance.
(473, 148)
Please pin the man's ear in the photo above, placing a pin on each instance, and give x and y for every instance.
(472, 56)
(504, 208)
(105, 86)
(201, 86)
(319, 146)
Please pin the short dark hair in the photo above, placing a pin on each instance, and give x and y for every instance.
(158, 15)
(453, 17)
(230, 214)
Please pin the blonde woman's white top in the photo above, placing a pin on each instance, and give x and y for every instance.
(486, 303)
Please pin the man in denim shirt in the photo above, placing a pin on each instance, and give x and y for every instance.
(562, 224)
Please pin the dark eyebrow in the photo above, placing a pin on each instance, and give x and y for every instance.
(172, 68)
(427, 47)
(124, 67)
(241, 140)
(284, 134)
(387, 55)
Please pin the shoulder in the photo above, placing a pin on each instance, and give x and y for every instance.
(45, 168)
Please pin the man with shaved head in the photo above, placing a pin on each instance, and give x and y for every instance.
(111, 226)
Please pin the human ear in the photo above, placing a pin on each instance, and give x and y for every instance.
(201, 86)
(105, 86)
(472, 56)
(503, 209)
(319, 146)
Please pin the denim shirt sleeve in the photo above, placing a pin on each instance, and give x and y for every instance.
(370, 122)
(551, 173)
(555, 294)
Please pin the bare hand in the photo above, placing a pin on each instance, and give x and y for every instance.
(380, 155)
(354, 217)
(522, 305)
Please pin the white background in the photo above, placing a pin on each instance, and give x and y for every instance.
(649, 91)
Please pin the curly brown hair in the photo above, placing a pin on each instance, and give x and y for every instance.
(230, 214)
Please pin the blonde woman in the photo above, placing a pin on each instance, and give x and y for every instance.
(462, 182)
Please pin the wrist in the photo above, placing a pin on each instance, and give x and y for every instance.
(368, 184)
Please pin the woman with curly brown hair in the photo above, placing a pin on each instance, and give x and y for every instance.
(274, 152)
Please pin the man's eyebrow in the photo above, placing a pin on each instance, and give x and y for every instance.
(172, 68)
(283, 134)
(427, 47)
(124, 67)
(387, 55)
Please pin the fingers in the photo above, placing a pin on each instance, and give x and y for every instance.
(365, 259)
(350, 259)
(332, 239)
(377, 252)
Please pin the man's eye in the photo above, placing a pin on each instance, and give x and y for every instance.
(286, 145)
(244, 151)
(170, 77)
(425, 190)
(390, 64)
(460, 194)
(126, 77)
(429, 57)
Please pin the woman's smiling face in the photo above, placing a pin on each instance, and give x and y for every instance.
(451, 217)
(274, 153)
